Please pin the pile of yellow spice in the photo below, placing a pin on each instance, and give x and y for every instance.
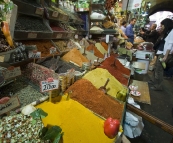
(78, 123)
(98, 78)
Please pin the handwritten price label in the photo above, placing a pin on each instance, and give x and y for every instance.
(34, 54)
(1, 58)
(49, 85)
(76, 36)
(11, 72)
(55, 14)
(32, 35)
(59, 35)
(52, 50)
(39, 11)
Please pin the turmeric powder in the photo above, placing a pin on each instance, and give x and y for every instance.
(98, 78)
(78, 123)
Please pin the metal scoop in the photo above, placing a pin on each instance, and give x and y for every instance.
(103, 88)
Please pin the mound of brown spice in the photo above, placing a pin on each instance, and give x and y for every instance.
(95, 100)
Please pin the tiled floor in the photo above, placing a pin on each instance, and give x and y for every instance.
(161, 107)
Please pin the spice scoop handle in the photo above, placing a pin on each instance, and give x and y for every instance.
(106, 83)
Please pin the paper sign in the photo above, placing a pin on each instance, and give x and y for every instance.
(59, 35)
(11, 104)
(55, 14)
(52, 50)
(11, 72)
(132, 4)
(76, 36)
(1, 58)
(39, 11)
(32, 35)
(49, 85)
(33, 54)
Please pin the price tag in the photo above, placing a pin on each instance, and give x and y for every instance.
(72, 8)
(76, 36)
(52, 50)
(39, 11)
(32, 35)
(11, 104)
(11, 72)
(59, 35)
(2, 58)
(55, 14)
(49, 85)
(34, 54)
(90, 36)
(69, 35)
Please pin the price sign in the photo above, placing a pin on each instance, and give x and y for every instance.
(39, 11)
(34, 54)
(52, 50)
(76, 36)
(55, 14)
(2, 58)
(49, 85)
(72, 8)
(59, 35)
(32, 35)
(69, 35)
(11, 72)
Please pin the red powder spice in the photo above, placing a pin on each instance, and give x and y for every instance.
(117, 74)
(95, 100)
(109, 61)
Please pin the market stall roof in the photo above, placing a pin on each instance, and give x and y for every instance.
(162, 6)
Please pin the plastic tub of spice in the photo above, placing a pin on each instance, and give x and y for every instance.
(58, 32)
(29, 27)
(43, 46)
(29, 7)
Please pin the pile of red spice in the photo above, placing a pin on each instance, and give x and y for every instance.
(118, 66)
(116, 69)
(95, 100)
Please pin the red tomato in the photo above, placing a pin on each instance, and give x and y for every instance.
(111, 127)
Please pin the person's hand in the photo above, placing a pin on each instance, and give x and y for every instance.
(142, 32)
(164, 58)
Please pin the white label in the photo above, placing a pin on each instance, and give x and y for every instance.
(1, 58)
(39, 11)
(33, 54)
(59, 35)
(32, 35)
(76, 36)
(49, 85)
(11, 104)
(52, 50)
(11, 72)
(55, 14)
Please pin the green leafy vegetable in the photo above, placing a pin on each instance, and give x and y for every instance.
(38, 114)
(57, 138)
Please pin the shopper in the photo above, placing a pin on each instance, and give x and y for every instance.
(165, 48)
(123, 26)
(129, 30)
(152, 35)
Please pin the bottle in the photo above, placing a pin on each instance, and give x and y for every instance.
(163, 63)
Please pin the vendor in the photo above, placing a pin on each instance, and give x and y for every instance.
(129, 30)
(152, 35)
(123, 26)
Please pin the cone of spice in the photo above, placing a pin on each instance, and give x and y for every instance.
(95, 100)
(75, 56)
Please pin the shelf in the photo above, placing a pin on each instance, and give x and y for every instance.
(29, 8)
